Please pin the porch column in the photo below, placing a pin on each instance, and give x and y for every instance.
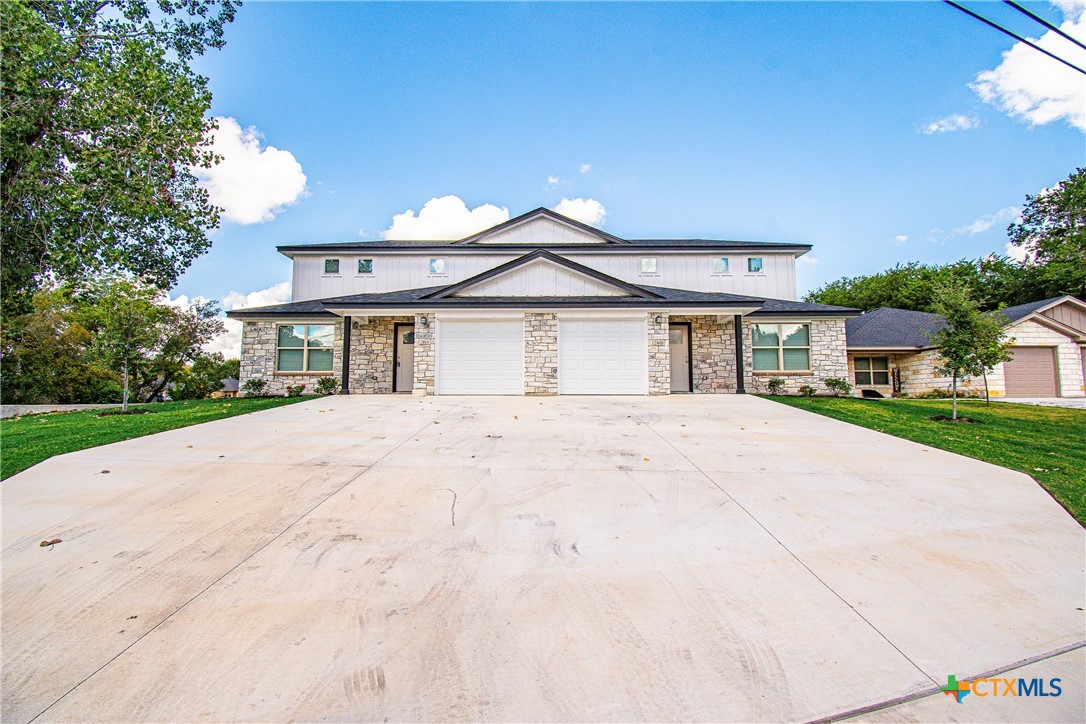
(345, 384)
(740, 373)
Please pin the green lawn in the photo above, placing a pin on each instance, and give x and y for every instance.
(26, 441)
(1046, 443)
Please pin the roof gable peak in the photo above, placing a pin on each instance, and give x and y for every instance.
(541, 227)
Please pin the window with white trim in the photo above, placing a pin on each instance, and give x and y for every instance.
(437, 265)
(365, 266)
(781, 347)
(331, 266)
(754, 264)
(648, 265)
(304, 347)
(720, 265)
(872, 370)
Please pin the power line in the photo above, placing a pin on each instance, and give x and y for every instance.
(1043, 22)
(1017, 37)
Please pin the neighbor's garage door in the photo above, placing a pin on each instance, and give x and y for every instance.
(602, 357)
(1032, 372)
(480, 357)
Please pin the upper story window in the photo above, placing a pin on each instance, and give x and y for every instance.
(437, 265)
(754, 264)
(720, 265)
(781, 347)
(331, 266)
(648, 265)
(365, 266)
(872, 370)
(304, 347)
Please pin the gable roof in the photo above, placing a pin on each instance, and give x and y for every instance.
(631, 289)
(891, 328)
(540, 213)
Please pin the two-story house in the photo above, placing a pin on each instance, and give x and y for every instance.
(544, 305)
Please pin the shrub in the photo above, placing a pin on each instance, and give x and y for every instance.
(254, 387)
(294, 390)
(807, 391)
(838, 386)
(327, 386)
(775, 385)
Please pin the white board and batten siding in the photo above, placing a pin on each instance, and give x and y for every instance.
(542, 278)
(542, 232)
(393, 272)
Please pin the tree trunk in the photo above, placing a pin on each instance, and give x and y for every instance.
(987, 400)
(954, 403)
(124, 395)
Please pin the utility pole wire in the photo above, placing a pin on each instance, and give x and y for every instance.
(1017, 37)
(1043, 22)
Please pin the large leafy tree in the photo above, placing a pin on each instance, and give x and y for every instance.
(1053, 231)
(101, 120)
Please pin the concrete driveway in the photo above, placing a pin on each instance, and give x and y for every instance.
(713, 558)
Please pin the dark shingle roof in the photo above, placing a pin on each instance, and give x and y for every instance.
(668, 298)
(634, 245)
(889, 327)
(1024, 310)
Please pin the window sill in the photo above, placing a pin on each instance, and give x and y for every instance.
(722, 274)
(782, 373)
(331, 276)
(303, 374)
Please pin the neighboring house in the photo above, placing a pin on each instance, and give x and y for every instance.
(544, 305)
(229, 388)
(890, 352)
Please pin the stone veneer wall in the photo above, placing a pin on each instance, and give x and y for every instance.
(540, 353)
(712, 347)
(424, 355)
(258, 359)
(659, 354)
(372, 350)
(828, 359)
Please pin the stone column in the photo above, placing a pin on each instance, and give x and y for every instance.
(424, 355)
(659, 354)
(541, 353)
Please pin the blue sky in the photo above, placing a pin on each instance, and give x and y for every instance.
(767, 121)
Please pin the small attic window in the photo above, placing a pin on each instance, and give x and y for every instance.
(648, 265)
(754, 264)
(331, 266)
(365, 266)
(720, 265)
(437, 265)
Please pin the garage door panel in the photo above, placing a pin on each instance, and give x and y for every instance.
(480, 357)
(1031, 373)
(602, 357)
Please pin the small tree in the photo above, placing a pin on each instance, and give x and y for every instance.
(992, 347)
(961, 339)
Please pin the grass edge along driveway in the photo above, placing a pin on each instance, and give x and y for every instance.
(1046, 443)
(29, 439)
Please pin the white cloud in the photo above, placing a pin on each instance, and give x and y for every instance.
(585, 167)
(1017, 253)
(587, 211)
(900, 239)
(447, 217)
(983, 223)
(806, 259)
(955, 122)
(229, 342)
(552, 182)
(252, 183)
(1034, 88)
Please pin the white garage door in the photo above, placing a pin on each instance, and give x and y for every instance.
(480, 357)
(602, 357)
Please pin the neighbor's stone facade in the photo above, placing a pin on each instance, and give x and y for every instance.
(258, 340)
(424, 355)
(372, 368)
(918, 374)
(541, 353)
(659, 354)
